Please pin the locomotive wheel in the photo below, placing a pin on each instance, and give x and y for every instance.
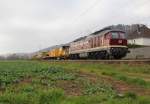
(101, 55)
(108, 56)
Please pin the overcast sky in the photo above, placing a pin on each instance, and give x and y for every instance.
(30, 25)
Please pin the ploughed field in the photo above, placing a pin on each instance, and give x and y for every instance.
(36, 82)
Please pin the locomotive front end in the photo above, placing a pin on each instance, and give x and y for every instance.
(118, 44)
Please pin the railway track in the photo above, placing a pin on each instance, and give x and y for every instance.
(146, 61)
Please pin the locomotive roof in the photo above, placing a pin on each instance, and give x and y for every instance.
(104, 31)
(53, 47)
(100, 32)
(81, 38)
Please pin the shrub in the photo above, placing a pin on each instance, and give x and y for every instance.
(144, 100)
(109, 73)
(131, 95)
(122, 77)
(65, 76)
(12, 98)
(51, 97)
(139, 81)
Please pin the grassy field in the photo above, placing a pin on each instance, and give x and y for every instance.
(35, 82)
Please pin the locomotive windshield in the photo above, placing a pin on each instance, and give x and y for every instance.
(117, 35)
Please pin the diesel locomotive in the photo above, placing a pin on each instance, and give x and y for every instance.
(107, 44)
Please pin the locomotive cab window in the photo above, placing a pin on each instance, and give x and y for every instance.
(114, 35)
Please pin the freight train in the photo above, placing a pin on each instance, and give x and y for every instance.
(103, 44)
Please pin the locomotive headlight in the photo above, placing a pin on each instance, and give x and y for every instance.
(119, 41)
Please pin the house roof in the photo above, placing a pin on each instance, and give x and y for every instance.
(142, 32)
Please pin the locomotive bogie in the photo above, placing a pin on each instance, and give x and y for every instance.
(118, 52)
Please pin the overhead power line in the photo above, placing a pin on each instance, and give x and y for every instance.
(87, 10)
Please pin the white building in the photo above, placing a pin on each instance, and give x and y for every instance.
(145, 41)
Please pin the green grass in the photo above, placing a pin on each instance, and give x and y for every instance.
(120, 71)
(35, 82)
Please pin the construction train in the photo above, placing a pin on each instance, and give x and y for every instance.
(103, 44)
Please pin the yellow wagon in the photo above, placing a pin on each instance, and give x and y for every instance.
(61, 52)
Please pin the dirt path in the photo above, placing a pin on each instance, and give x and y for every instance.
(119, 86)
(146, 77)
(70, 87)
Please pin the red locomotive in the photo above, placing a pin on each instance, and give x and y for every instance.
(104, 44)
